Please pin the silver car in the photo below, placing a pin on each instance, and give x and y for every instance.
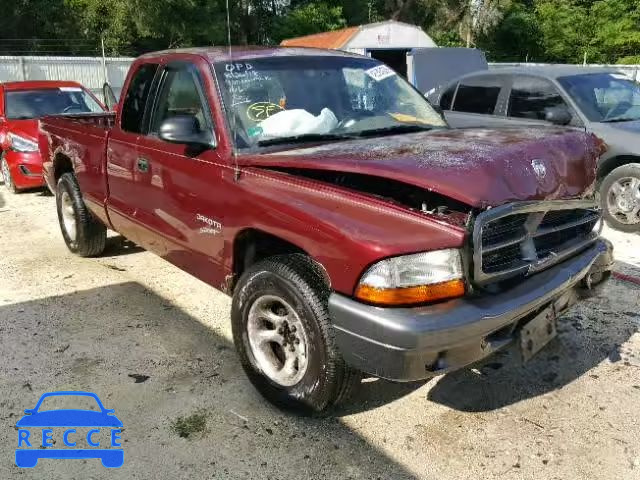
(602, 101)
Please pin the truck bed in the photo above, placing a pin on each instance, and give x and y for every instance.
(81, 139)
(93, 123)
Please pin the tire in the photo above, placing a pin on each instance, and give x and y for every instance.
(6, 176)
(626, 176)
(90, 237)
(295, 283)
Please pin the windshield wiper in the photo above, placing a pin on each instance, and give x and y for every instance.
(307, 137)
(621, 119)
(391, 130)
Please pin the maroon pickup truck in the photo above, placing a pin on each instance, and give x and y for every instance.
(355, 231)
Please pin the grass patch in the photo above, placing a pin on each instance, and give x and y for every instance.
(190, 425)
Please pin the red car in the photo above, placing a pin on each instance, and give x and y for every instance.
(21, 105)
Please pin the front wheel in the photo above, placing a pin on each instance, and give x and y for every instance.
(83, 234)
(620, 192)
(7, 178)
(282, 331)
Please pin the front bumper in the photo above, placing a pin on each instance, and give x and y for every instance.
(406, 344)
(25, 168)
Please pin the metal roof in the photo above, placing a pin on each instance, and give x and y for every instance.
(338, 39)
(334, 39)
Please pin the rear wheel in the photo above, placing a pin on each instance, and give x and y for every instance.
(6, 176)
(282, 331)
(620, 192)
(83, 234)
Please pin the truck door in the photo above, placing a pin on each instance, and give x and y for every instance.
(180, 189)
(532, 98)
(122, 152)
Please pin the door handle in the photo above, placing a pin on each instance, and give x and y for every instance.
(142, 164)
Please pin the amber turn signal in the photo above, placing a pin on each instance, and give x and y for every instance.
(410, 295)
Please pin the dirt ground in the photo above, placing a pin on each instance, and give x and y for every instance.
(90, 324)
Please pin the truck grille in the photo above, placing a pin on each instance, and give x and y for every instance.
(522, 239)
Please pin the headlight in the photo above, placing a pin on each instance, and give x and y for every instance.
(20, 144)
(411, 279)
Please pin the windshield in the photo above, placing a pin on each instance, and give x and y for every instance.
(296, 99)
(25, 104)
(604, 97)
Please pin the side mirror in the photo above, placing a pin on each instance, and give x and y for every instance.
(110, 99)
(185, 129)
(558, 115)
(28, 411)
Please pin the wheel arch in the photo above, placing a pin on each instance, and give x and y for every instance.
(61, 164)
(610, 164)
(252, 245)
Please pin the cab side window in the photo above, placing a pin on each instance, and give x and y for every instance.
(478, 95)
(180, 94)
(135, 102)
(530, 98)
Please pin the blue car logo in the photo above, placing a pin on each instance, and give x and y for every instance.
(36, 430)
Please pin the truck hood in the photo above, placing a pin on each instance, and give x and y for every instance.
(480, 167)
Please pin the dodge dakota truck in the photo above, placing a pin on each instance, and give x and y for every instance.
(355, 231)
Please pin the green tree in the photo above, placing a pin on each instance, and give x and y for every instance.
(46, 27)
(566, 29)
(616, 25)
(309, 18)
(515, 38)
(464, 22)
(604, 30)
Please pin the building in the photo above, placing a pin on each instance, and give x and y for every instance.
(388, 42)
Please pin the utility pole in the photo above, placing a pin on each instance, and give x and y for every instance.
(104, 62)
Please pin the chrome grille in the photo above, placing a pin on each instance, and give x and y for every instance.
(522, 239)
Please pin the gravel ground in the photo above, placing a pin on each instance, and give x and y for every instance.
(90, 324)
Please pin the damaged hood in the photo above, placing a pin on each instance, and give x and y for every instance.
(480, 167)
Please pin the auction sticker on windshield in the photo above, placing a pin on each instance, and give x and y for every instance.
(77, 433)
(380, 72)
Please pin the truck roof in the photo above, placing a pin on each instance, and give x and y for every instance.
(38, 84)
(224, 54)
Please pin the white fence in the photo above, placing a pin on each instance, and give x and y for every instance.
(92, 72)
(632, 71)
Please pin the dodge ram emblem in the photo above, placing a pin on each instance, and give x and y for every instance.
(538, 168)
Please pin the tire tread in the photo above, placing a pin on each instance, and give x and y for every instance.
(91, 236)
(310, 281)
(627, 170)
